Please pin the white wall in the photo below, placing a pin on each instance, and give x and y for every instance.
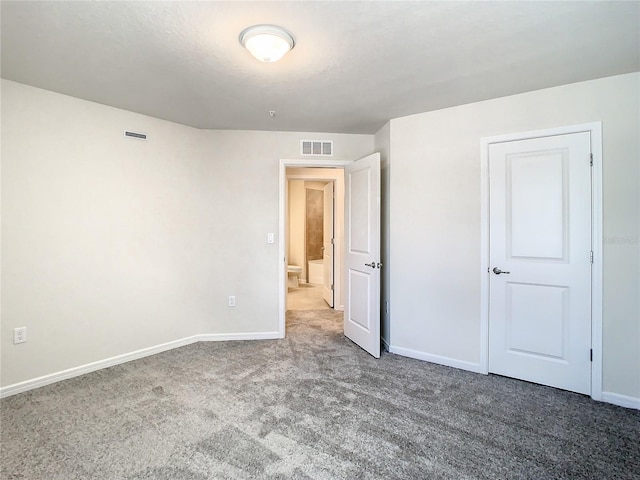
(98, 255)
(111, 244)
(435, 218)
(382, 144)
(246, 169)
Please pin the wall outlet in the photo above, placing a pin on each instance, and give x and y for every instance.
(232, 300)
(19, 335)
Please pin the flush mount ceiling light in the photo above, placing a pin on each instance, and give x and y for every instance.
(268, 43)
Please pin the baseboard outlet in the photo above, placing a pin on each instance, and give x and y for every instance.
(38, 382)
(440, 360)
(621, 400)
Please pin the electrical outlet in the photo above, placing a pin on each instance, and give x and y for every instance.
(19, 335)
(232, 301)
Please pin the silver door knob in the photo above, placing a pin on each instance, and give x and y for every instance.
(372, 265)
(497, 271)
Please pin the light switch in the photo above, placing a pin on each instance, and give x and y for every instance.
(270, 238)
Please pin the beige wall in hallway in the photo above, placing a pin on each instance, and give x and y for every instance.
(296, 196)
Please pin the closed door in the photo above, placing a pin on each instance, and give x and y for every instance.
(327, 244)
(540, 260)
(362, 237)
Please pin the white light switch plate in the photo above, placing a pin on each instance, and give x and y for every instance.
(270, 238)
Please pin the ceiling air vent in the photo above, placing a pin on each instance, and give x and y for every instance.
(316, 148)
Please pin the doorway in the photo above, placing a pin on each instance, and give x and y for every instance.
(310, 239)
(541, 272)
(357, 211)
(326, 172)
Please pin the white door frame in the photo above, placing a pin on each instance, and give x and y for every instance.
(282, 225)
(595, 129)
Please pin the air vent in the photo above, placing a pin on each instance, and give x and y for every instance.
(142, 136)
(316, 148)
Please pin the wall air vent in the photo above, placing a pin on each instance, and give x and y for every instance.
(316, 148)
(142, 136)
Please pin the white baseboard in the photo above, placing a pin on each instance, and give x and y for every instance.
(621, 400)
(223, 337)
(92, 367)
(127, 357)
(609, 397)
(429, 357)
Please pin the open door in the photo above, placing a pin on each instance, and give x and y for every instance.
(327, 244)
(362, 247)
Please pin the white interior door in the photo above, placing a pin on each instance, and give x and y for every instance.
(328, 244)
(540, 260)
(362, 262)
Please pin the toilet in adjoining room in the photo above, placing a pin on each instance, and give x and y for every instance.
(293, 274)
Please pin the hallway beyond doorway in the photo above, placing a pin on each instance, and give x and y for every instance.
(306, 297)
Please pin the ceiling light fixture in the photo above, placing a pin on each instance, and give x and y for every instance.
(268, 43)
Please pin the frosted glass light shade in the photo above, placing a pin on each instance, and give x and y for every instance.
(267, 43)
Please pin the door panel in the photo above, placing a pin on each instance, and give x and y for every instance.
(362, 262)
(538, 200)
(359, 183)
(359, 311)
(540, 237)
(536, 319)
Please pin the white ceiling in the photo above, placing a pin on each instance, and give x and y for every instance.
(355, 64)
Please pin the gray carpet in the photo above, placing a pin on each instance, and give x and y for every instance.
(312, 406)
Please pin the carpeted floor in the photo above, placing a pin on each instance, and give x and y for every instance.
(312, 406)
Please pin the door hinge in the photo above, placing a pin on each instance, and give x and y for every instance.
(332, 287)
(591, 355)
(333, 240)
(591, 159)
(591, 256)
